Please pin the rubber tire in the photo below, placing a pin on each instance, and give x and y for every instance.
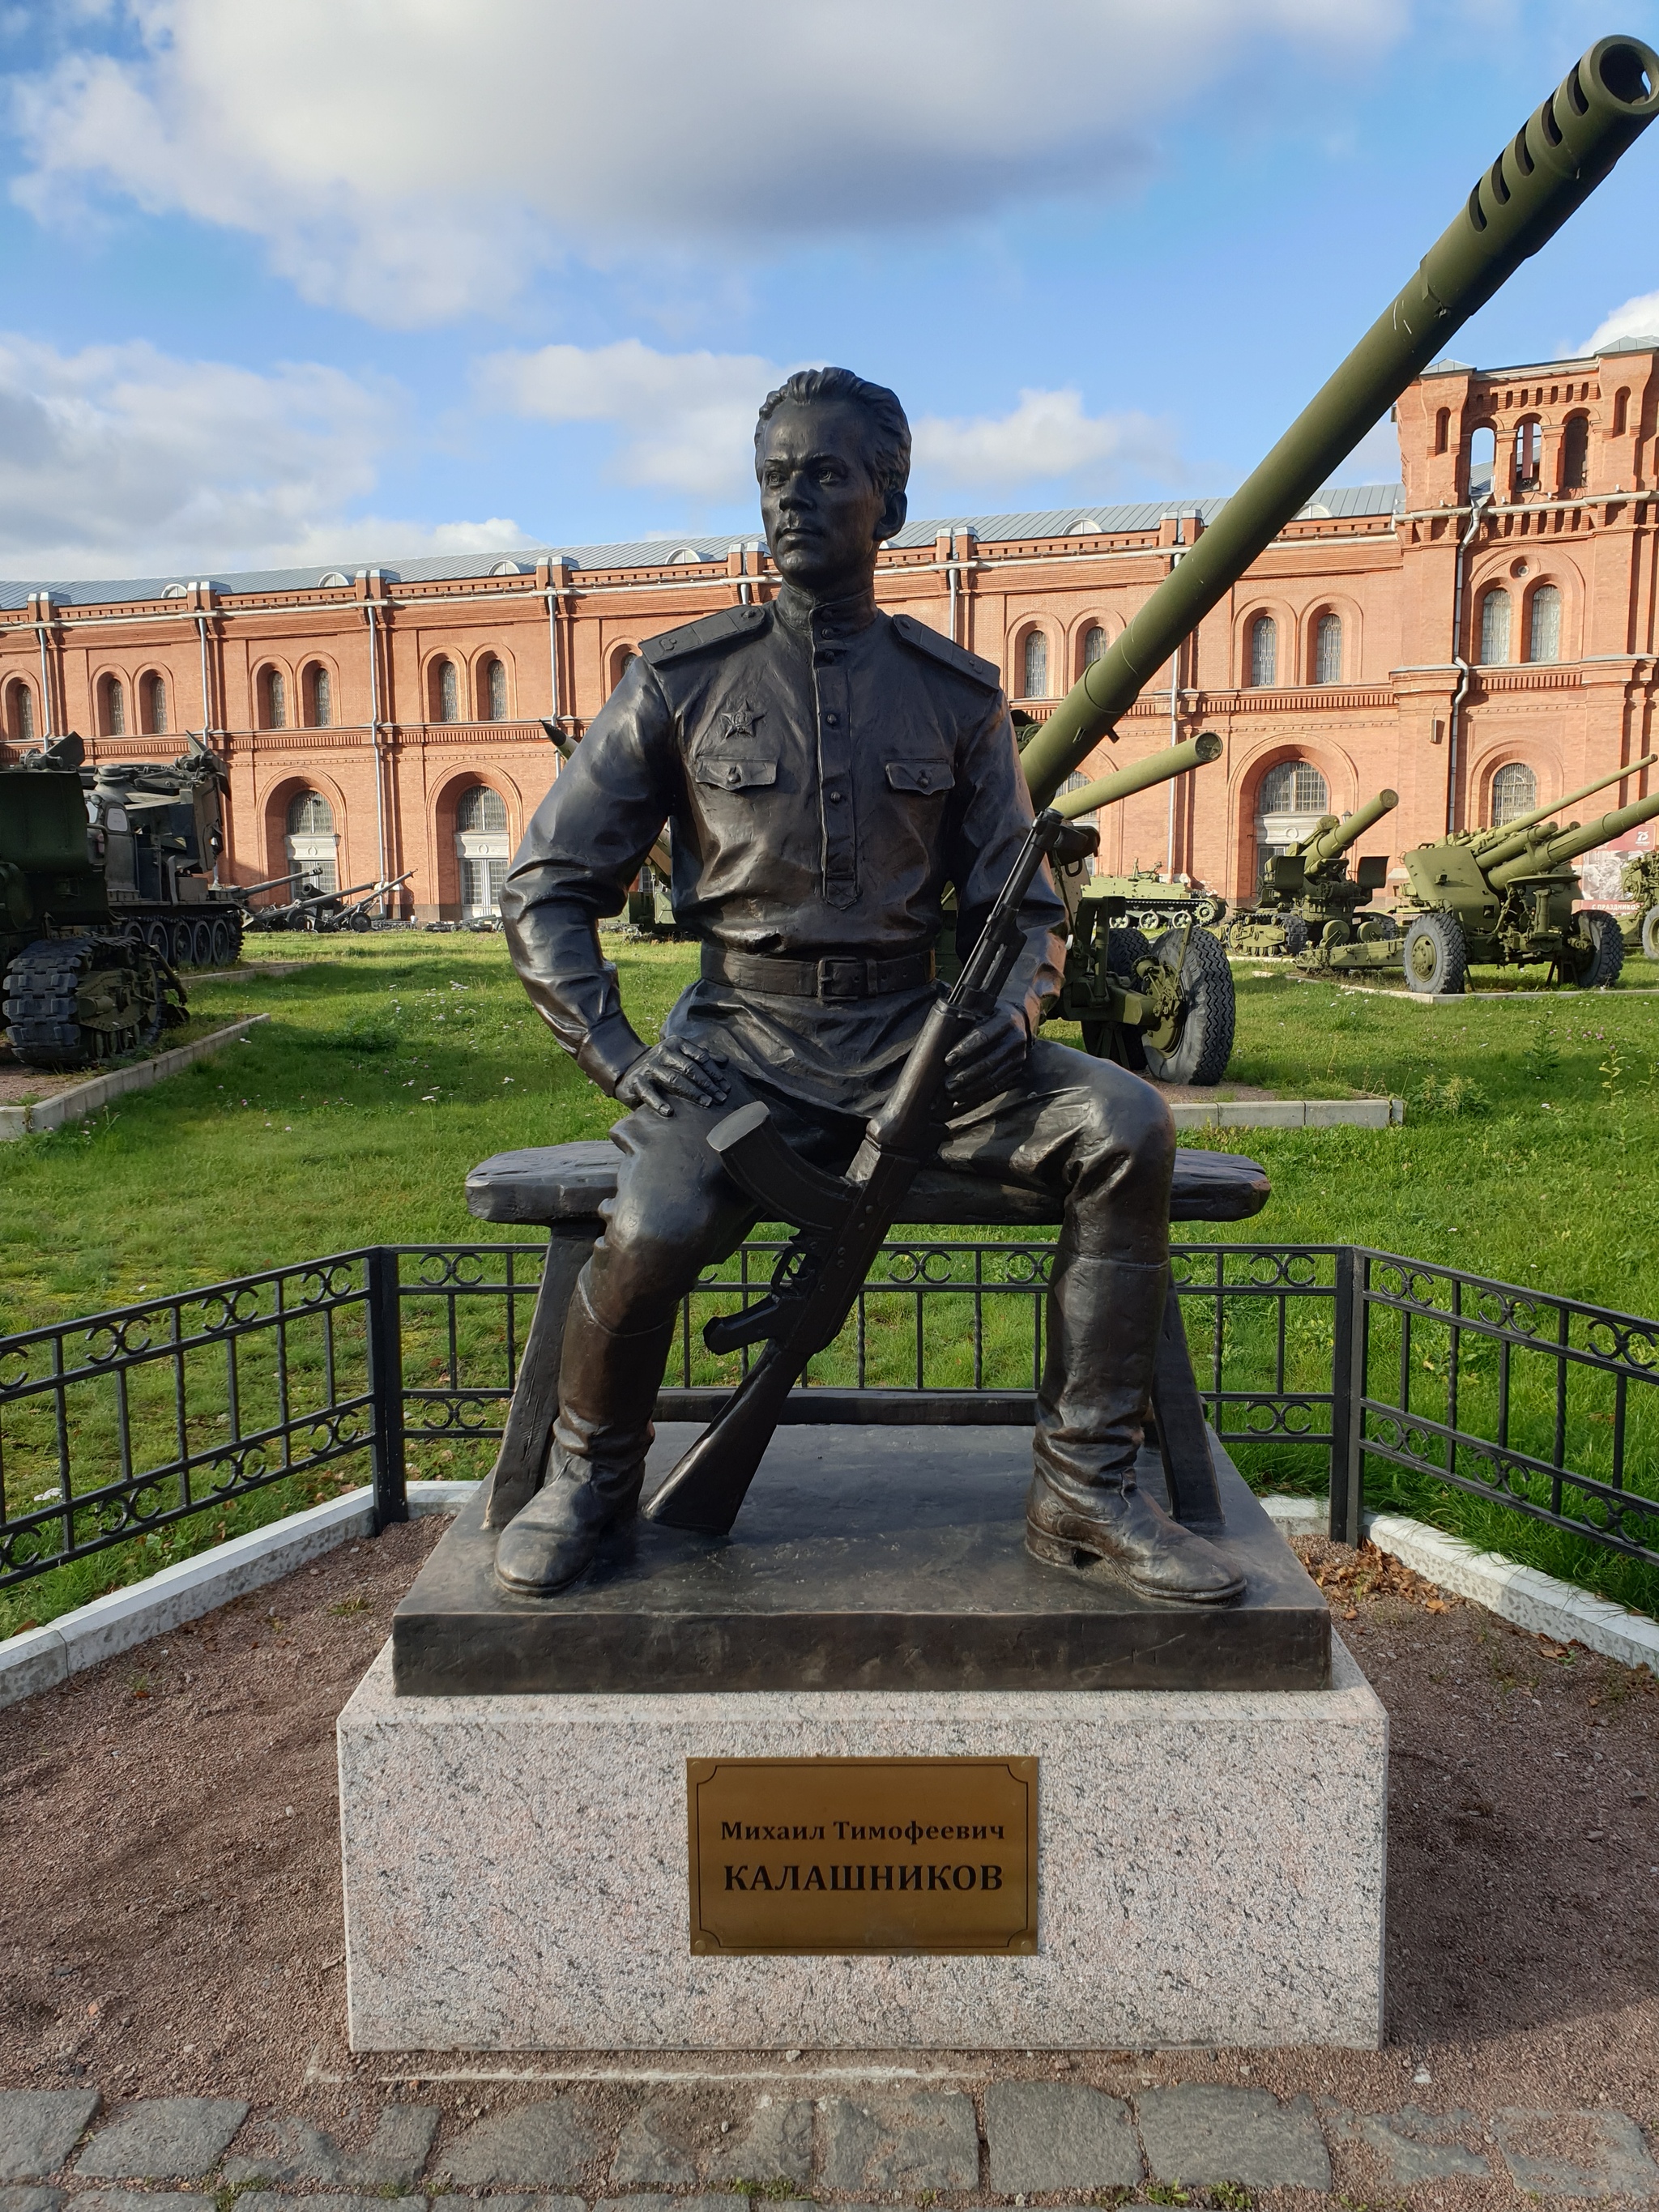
(1210, 1011)
(1445, 952)
(1606, 957)
(1650, 933)
(1296, 935)
(1125, 947)
(224, 943)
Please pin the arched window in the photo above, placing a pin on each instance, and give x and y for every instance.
(1292, 796)
(1528, 453)
(1544, 624)
(1514, 792)
(1094, 646)
(1575, 453)
(1294, 787)
(312, 843)
(273, 699)
(446, 693)
(481, 850)
(1620, 412)
(154, 693)
(619, 661)
(1495, 626)
(112, 714)
(1264, 654)
(1483, 461)
(1442, 429)
(1034, 665)
(20, 714)
(1327, 650)
(494, 689)
(319, 697)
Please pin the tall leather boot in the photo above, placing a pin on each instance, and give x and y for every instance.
(1104, 1316)
(608, 1384)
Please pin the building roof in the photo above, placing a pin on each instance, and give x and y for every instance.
(1345, 501)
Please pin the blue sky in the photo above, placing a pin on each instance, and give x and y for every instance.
(347, 279)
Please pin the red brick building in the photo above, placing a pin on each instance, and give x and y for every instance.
(1481, 638)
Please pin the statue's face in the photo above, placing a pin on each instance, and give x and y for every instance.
(824, 512)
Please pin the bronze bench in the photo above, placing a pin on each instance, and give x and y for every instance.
(560, 1188)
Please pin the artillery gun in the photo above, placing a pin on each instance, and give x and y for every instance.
(1308, 903)
(80, 983)
(1551, 166)
(1504, 897)
(159, 829)
(324, 911)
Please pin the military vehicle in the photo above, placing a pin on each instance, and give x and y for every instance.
(1166, 1007)
(159, 829)
(80, 983)
(1550, 167)
(1505, 897)
(1308, 906)
(1152, 902)
(325, 911)
(1638, 882)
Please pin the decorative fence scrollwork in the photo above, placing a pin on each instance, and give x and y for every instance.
(360, 1366)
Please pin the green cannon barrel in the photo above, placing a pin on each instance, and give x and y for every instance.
(1485, 841)
(1328, 844)
(1508, 845)
(1571, 842)
(1555, 160)
(1156, 767)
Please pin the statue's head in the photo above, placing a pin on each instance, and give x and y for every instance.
(833, 455)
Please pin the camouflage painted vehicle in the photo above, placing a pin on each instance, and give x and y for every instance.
(80, 983)
(1638, 882)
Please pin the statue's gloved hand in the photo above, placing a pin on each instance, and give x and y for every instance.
(988, 1060)
(667, 1071)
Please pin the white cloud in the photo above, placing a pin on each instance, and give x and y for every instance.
(419, 163)
(687, 420)
(121, 459)
(1046, 436)
(1637, 318)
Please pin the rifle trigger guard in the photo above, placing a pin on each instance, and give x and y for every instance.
(785, 1186)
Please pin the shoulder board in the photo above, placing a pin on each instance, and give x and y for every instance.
(719, 628)
(918, 635)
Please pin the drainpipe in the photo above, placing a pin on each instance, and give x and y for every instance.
(207, 707)
(1175, 721)
(952, 572)
(1477, 516)
(375, 735)
(43, 609)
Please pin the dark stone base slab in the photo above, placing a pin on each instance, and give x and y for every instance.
(864, 1559)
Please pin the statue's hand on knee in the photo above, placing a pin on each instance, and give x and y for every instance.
(669, 1071)
(989, 1058)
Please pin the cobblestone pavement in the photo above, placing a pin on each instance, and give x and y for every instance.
(690, 2148)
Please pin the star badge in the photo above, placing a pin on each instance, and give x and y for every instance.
(739, 721)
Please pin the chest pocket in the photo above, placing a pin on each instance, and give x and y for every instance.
(722, 772)
(921, 779)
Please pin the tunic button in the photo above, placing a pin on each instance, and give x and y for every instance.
(735, 773)
(832, 720)
(833, 795)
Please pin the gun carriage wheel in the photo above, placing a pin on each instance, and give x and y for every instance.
(1595, 954)
(1650, 933)
(1120, 951)
(1204, 1013)
(1437, 955)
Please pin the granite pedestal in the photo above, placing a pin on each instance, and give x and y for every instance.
(1210, 1858)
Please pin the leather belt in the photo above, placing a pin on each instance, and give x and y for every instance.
(833, 981)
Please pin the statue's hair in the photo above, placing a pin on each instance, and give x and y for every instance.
(890, 433)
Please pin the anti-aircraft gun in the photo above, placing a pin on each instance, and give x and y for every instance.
(159, 829)
(1505, 897)
(1551, 166)
(80, 983)
(1310, 907)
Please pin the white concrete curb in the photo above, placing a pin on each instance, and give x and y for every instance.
(83, 1098)
(1297, 1516)
(40, 1656)
(1522, 1595)
(1290, 1113)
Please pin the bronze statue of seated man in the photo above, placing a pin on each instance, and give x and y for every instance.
(829, 772)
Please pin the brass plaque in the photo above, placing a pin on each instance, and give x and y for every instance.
(894, 1855)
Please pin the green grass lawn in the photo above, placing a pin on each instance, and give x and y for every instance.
(392, 1063)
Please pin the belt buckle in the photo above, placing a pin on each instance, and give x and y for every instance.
(841, 979)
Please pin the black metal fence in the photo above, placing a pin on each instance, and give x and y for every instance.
(367, 1365)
